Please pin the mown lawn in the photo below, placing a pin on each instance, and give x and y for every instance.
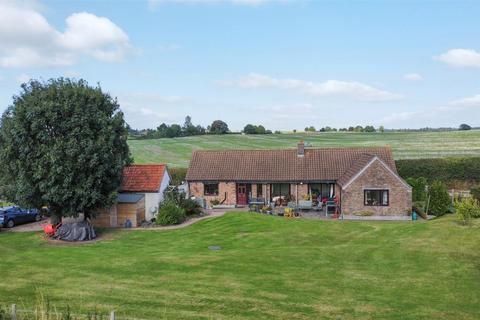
(269, 267)
(406, 145)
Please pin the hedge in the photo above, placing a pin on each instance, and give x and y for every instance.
(443, 169)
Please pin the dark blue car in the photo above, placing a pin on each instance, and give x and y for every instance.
(12, 216)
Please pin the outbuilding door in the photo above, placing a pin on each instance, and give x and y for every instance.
(242, 194)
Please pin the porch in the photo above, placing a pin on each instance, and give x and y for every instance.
(304, 208)
(319, 197)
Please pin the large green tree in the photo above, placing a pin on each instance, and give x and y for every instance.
(63, 144)
(218, 127)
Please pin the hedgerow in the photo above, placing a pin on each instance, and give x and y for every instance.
(443, 169)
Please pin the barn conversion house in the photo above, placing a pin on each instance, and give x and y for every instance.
(360, 179)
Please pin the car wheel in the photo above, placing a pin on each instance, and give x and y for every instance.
(10, 223)
(38, 218)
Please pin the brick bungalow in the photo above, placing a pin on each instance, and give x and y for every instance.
(360, 178)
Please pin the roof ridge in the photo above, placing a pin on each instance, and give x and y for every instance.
(290, 149)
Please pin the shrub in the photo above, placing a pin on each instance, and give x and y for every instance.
(190, 206)
(3, 313)
(214, 202)
(443, 169)
(178, 175)
(170, 213)
(174, 195)
(439, 199)
(466, 209)
(266, 209)
(419, 188)
(365, 213)
(475, 192)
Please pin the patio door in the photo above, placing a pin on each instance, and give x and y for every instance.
(242, 194)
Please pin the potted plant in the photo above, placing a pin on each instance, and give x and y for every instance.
(267, 209)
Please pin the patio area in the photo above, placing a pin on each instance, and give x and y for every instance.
(321, 214)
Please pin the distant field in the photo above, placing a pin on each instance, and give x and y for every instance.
(406, 145)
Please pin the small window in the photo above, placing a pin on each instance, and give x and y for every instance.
(259, 190)
(376, 198)
(210, 189)
(280, 190)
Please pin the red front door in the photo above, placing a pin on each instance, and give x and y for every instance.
(242, 196)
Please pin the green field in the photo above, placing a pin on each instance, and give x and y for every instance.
(269, 267)
(406, 145)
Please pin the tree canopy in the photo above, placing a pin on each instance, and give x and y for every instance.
(62, 144)
(253, 129)
(465, 126)
(218, 127)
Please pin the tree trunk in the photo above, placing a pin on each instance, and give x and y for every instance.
(56, 215)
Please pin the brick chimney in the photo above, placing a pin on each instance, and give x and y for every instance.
(301, 149)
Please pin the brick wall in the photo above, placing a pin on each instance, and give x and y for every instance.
(196, 190)
(254, 190)
(377, 177)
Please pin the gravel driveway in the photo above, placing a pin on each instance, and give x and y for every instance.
(33, 226)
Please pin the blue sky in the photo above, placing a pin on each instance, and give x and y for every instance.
(285, 64)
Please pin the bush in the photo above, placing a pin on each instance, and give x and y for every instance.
(178, 175)
(466, 209)
(419, 188)
(190, 206)
(439, 199)
(365, 213)
(475, 192)
(443, 169)
(170, 213)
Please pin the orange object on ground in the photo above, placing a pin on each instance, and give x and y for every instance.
(50, 229)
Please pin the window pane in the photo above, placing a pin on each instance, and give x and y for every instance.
(316, 190)
(385, 198)
(280, 189)
(259, 190)
(211, 189)
(376, 197)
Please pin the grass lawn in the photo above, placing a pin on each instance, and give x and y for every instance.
(406, 145)
(269, 267)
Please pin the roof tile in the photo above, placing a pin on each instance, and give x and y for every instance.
(319, 164)
(142, 178)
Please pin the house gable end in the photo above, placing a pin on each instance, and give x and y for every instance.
(368, 165)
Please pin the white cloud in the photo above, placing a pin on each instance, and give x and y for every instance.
(460, 58)
(412, 77)
(33, 42)
(145, 110)
(355, 90)
(467, 102)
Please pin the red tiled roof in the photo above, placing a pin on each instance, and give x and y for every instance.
(319, 164)
(357, 166)
(142, 177)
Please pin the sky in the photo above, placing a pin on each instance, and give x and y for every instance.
(286, 64)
